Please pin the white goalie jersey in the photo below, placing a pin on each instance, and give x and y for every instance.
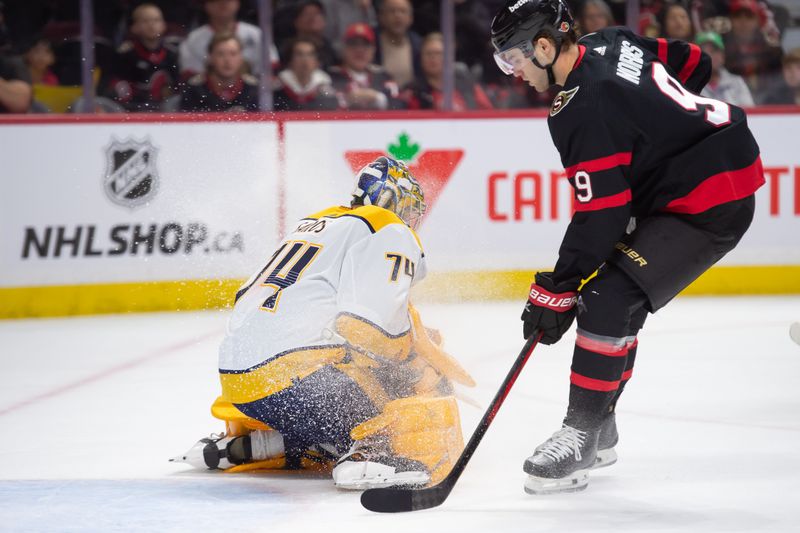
(356, 262)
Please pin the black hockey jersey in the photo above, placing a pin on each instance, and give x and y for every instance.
(144, 78)
(201, 94)
(636, 139)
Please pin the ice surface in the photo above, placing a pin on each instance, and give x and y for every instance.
(92, 408)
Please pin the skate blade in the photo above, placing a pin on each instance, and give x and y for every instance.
(415, 479)
(190, 459)
(367, 475)
(366, 484)
(194, 457)
(541, 486)
(605, 458)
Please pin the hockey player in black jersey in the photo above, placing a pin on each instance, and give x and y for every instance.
(637, 142)
(145, 71)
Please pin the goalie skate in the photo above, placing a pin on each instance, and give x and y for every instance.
(562, 463)
(368, 467)
(221, 451)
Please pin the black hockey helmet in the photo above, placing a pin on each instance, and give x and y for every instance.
(519, 22)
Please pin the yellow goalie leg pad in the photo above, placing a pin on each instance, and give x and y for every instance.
(236, 422)
(424, 429)
(359, 370)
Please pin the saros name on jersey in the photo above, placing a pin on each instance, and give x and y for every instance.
(629, 66)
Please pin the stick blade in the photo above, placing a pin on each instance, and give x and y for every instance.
(387, 500)
(397, 500)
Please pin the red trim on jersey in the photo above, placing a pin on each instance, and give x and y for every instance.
(228, 94)
(581, 51)
(600, 347)
(153, 56)
(596, 204)
(691, 63)
(634, 344)
(601, 163)
(662, 50)
(719, 189)
(627, 375)
(600, 385)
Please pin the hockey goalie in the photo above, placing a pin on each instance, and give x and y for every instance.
(326, 365)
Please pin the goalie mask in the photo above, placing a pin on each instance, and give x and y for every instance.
(388, 183)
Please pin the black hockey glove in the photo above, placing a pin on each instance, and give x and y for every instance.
(547, 311)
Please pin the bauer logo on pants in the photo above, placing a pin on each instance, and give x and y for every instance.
(131, 179)
(630, 252)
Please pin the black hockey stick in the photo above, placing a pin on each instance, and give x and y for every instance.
(398, 500)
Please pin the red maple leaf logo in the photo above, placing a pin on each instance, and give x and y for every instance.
(433, 168)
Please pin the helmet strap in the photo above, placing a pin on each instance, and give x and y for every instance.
(551, 79)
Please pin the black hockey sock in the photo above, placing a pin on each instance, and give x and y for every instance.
(597, 371)
(626, 376)
(587, 407)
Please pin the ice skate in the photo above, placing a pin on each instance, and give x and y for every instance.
(370, 465)
(221, 451)
(606, 455)
(562, 463)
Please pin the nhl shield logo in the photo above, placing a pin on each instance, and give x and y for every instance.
(131, 179)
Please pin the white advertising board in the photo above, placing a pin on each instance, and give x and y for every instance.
(136, 202)
(497, 195)
(127, 202)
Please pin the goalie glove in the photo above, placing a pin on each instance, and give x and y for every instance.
(548, 311)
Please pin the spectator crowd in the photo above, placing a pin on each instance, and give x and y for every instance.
(205, 55)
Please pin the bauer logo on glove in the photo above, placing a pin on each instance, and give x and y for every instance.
(548, 310)
(556, 302)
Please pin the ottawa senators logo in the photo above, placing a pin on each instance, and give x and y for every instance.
(561, 100)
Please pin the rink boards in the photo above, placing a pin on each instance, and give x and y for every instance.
(107, 214)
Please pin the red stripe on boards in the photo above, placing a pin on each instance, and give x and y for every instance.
(720, 188)
(593, 384)
(596, 204)
(691, 63)
(601, 163)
